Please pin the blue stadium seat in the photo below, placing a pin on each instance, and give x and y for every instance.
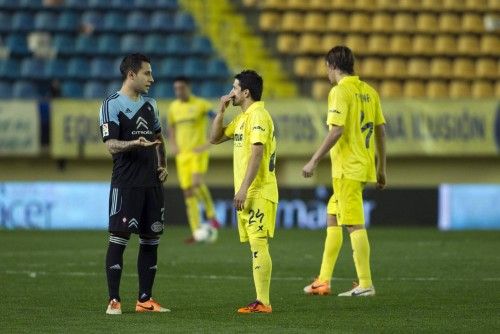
(162, 21)
(98, 4)
(76, 4)
(5, 90)
(71, 89)
(170, 68)
(46, 21)
(131, 43)
(167, 4)
(161, 89)
(10, 4)
(64, 44)
(201, 45)
(102, 68)
(93, 18)
(17, 45)
(178, 45)
(214, 89)
(195, 68)
(5, 22)
(114, 22)
(68, 21)
(217, 68)
(24, 90)
(155, 44)
(137, 21)
(9, 68)
(123, 4)
(108, 44)
(145, 4)
(22, 21)
(33, 68)
(184, 22)
(94, 90)
(113, 87)
(85, 45)
(56, 69)
(31, 4)
(78, 68)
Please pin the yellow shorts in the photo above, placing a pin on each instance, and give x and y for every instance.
(347, 202)
(258, 219)
(189, 163)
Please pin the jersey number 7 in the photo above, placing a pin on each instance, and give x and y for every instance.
(368, 126)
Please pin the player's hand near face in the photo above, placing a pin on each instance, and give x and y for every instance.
(162, 173)
(239, 199)
(143, 142)
(225, 100)
(308, 169)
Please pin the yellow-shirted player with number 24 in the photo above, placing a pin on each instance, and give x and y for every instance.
(356, 130)
(256, 189)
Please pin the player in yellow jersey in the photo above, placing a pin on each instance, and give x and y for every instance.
(187, 131)
(256, 189)
(356, 131)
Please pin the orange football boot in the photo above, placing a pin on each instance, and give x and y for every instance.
(318, 287)
(256, 307)
(114, 307)
(150, 306)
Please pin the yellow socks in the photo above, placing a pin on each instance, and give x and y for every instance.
(333, 243)
(203, 195)
(193, 213)
(262, 267)
(361, 255)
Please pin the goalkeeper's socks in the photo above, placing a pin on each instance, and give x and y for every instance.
(262, 268)
(114, 265)
(146, 267)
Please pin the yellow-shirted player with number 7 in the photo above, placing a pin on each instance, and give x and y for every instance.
(356, 131)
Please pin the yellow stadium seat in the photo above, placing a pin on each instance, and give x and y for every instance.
(357, 43)
(337, 22)
(468, 45)
(490, 45)
(387, 4)
(320, 4)
(382, 22)
(269, 21)
(272, 4)
(441, 68)
(404, 22)
(472, 23)
(497, 88)
(418, 68)
(303, 67)
(401, 45)
(309, 43)
(378, 44)
(437, 89)
(292, 21)
(296, 4)
(463, 68)
(395, 68)
(423, 45)
(449, 23)
(342, 4)
(372, 68)
(431, 5)
(363, 4)
(486, 68)
(314, 22)
(494, 5)
(331, 40)
(459, 89)
(473, 5)
(427, 23)
(458, 5)
(445, 45)
(250, 3)
(413, 5)
(482, 89)
(320, 70)
(360, 22)
(391, 88)
(287, 44)
(414, 88)
(320, 89)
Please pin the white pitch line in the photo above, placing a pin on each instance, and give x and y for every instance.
(233, 277)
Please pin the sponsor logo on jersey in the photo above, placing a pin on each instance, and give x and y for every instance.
(141, 123)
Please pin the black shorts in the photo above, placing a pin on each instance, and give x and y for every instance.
(137, 210)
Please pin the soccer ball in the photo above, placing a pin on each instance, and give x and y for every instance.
(205, 233)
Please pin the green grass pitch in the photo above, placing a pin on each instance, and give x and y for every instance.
(426, 281)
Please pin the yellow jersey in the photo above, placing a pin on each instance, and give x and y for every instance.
(190, 121)
(355, 105)
(255, 125)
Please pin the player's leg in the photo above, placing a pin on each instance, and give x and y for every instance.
(184, 170)
(151, 227)
(351, 209)
(201, 190)
(259, 222)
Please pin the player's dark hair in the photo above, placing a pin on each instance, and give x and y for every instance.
(342, 58)
(252, 81)
(132, 62)
(182, 78)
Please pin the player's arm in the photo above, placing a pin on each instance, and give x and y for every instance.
(162, 160)
(250, 174)
(118, 146)
(217, 129)
(330, 140)
(171, 140)
(381, 155)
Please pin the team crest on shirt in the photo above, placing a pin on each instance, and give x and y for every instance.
(157, 227)
(105, 130)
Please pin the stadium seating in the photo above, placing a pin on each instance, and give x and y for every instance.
(89, 39)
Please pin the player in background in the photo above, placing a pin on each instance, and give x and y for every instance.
(256, 189)
(130, 128)
(187, 133)
(356, 130)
